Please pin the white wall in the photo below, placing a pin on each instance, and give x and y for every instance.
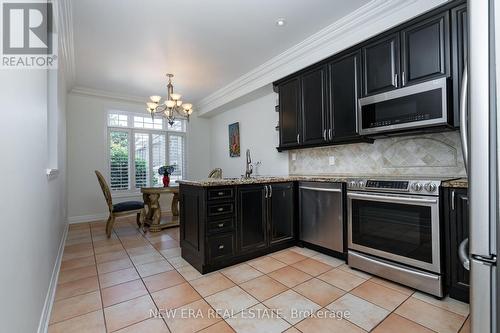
(258, 119)
(32, 207)
(87, 151)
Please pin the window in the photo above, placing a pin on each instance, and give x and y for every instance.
(139, 146)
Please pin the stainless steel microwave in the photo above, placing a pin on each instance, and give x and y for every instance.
(415, 106)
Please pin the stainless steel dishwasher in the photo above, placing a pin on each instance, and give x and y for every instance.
(321, 215)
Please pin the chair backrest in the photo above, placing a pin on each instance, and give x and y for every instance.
(105, 190)
(215, 173)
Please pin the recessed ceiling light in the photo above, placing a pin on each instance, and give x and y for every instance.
(280, 22)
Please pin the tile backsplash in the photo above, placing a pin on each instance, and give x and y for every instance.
(436, 154)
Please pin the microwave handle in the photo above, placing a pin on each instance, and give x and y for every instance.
(463, 116)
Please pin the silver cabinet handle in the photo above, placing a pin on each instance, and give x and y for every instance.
(220, 225)
(221, 247)
(220, 209)
(403, 78)
(267, 192)
(220, 193)
(395, 81)
(298, 138)
(330, 136)
(453, 200)
(463, 115)
(324, 135)
(463, 253)
(270, 191)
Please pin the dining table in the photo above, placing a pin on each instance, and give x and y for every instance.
(151, 196)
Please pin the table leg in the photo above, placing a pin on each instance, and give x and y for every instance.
(147, 204)
(175, 204)
(155, 212)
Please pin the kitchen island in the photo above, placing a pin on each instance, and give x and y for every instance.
(227, 221)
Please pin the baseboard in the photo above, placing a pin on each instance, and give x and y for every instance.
(43, 325)
(87, 218)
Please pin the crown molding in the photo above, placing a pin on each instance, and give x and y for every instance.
(367, 21)
(84, 91)
(66, 40)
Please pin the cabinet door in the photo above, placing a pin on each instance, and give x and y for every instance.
(425, 51)
(281, 212)
(381, 65)
(459, 232)
(252, 220)
(345, 89)
(456, 230)
(459, 46)
(289, 113)
(314, 105)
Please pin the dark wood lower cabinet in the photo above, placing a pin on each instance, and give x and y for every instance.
(223, 226)
(456, 225)
(251, 224)
(281, 213)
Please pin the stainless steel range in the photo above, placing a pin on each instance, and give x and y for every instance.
(393, 231)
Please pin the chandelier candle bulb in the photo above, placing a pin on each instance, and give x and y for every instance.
(155, 98)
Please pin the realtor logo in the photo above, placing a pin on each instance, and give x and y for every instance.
(27, 35)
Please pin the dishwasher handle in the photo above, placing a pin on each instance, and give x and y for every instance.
(321, 189)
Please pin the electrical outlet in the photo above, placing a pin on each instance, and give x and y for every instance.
(331, 160)
(294, 156)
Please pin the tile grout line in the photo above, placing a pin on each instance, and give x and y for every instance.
(82, 314)
(267, 274)
(98, 280)
(140, 277)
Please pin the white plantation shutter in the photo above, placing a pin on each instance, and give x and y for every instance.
(139, 146)
(119, 159)
(141, 158)
(159, 157)
(176, 155)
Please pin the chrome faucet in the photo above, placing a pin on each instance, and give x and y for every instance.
(249, 168)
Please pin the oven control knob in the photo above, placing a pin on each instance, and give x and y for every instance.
(417, 187)
(430, 187)
(352, 184)
(361, 184)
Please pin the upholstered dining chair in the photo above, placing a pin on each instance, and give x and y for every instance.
(119, 209)
(215, 173)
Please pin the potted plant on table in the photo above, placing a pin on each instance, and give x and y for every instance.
(166, 171)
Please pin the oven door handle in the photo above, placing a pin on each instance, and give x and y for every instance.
(392, 198)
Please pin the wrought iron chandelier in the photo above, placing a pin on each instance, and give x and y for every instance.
(172, 104)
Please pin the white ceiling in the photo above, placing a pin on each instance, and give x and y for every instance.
(127, 46)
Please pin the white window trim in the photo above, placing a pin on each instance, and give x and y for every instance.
(130, 129)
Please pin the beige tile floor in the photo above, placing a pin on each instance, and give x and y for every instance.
(113, 285)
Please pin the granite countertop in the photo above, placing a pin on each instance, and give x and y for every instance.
(456, 183)
(209, 182)
(261, 180)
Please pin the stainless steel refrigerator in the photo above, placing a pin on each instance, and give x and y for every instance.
(483, 161)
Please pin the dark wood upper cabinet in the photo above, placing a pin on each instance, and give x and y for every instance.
(289, 107)
(459, 46)
(281, 213)
(251, 225)
(381, 65)
(314, 106)
(319, 105)
(345, 89)
(425, 50)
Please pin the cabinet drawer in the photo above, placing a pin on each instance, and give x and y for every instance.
(220, 247)
(220, 226)
(220, 193)
(225, 208)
